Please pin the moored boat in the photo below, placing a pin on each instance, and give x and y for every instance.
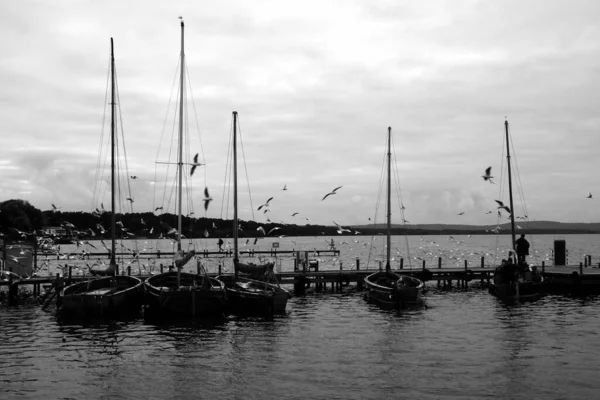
(110, 295)
(515, 280)
(389, 289)
(263, 296)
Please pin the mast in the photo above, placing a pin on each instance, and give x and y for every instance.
(235, 194)
(389, 197)
(512, 210)
(112, 154)
(180, 144)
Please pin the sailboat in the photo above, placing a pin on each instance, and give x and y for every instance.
(177, 292)
(388, 289)
(515, 281)
(111, 294)
(244, 294)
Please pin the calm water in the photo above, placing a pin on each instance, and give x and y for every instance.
(463, 345)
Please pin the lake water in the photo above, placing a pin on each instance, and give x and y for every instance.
(462, 345)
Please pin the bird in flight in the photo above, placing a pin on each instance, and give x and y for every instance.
(331, 193)
(195, 164)
(284, 187)
(261, 230)
(294, 214)
(489, 212)
(134, 177)
(207, 199)
(158, 208)
(488, 176)
(129, 199)
(461, 213)
(54, 208)
(589, 196)
(501, 205)
(266, 204)
(273, 230)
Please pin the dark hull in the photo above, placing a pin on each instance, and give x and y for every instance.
(390, 290)
(109, 296)
(195, 296)
(523, 291)
(251, 297)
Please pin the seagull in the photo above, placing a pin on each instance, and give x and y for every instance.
(589, 196)
(261, 230)
(158, 208)
(501, 205)
(266, 204)
(284, 187)
(331, 193)
(129, 199)
(195, 164)
(54, 208)
(294, 214)
(489, 212)
(133, 177)
(461, 213)
(273, 230)
(487, 176)
(207, 199)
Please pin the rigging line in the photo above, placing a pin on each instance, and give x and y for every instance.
(377, 203)
(239, 125)
(99, 159)
(196, 118)
(228, 172)
(164, 129)
(401, 202)
(173, 145)
(127, 181)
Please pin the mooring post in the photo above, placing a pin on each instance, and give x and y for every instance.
(401, 263)
(220, 265)
(161, 268)
(198, 267)
(465, 283)
(585, 260)
(439, 262)
(580, 268)
(543, 266)
(340, 265)
(380, 266)
(357, 264)
(423, 264)
(129, 270)
(482, 267)
(70, 271)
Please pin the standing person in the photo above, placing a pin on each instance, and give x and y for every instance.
(220, 243)
(522, 248)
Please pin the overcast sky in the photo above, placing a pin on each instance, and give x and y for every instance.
(316, 84)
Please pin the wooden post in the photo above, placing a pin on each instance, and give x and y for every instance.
(220, 265)
(543, 266)
(129, 270)
(423, 264)
(340, 265)
(465, 283)
(380, 266)
(585, 260)
(401, 263)
(357, 264)
(70, 271)
(439, 262)
(198, 267)
(482, 267)
(580, 268)
(161, 268)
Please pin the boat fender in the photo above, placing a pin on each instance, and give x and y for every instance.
(469, 275)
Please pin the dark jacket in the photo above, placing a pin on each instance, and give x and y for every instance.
(522, 246)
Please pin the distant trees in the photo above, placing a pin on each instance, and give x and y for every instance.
(20, 215)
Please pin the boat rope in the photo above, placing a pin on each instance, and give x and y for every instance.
(400, 201)
(227, 181)
(382, 175)
(99, 172)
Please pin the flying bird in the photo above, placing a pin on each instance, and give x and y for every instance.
(489, 212)
(488, 176)
(195, 164)
(284, 187)
(129, 199)
(54, 208)
(261, 230)
(294, 214)
(133, 177)
(207, 199)
(158, 208)
(501, 205)
(331, 193)
(461, 213)
(266, 204)
(273, 230)
(589, 196)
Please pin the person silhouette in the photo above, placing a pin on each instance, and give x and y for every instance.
(522, 249)
(220, 243)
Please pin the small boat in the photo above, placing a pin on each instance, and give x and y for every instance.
(389, 289)
(515, 281)
(177, 293)
(112, 294)
(245, 295)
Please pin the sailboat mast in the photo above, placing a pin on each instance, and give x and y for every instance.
(389, 197)
(112, 153)
(180, 146)
(510, 194)
(235, 194)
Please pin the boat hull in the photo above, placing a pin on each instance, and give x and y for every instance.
(390, 290)
(511, 283)
(195, 296)
(103, 297)
(248, 296)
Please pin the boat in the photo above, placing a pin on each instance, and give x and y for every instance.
(256, 292)
(390, 289)
(178, 293)
(515, 281)
(111, 294)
